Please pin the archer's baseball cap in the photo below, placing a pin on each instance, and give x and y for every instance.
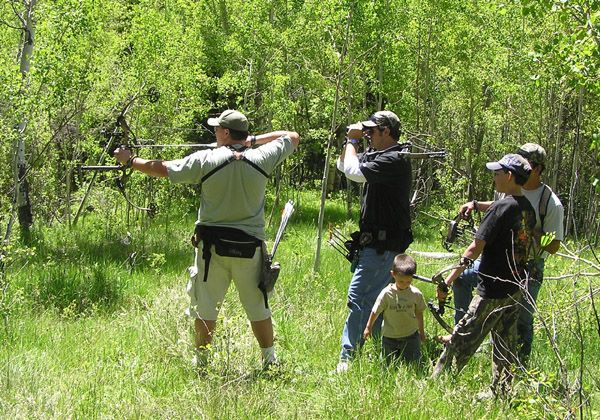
(534, 153)
(234, 120)
(382, 119)
(511, 162)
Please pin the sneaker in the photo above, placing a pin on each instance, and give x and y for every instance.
(342, 367)
(271, 370)
(485, 395)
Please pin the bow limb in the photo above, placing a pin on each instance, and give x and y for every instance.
(438, 317)
(121, 182)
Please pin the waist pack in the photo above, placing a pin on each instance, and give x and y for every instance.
(228, 242)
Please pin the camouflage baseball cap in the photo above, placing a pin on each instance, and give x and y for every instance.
(234, 120)
(534, 153)
(382, 119)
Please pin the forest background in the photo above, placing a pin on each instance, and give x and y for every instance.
(474, 78)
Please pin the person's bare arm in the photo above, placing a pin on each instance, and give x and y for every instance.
(369, 326)
(421, 324)
(471, 253)
(155, 168)
(274, 135)
(467, 208)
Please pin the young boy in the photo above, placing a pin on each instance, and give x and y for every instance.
(504, 240)
(402, 305)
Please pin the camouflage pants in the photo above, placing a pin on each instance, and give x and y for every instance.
(496, 316)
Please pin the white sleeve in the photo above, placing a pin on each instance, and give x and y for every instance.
(351, 168)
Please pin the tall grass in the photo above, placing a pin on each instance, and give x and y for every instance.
(99, 330)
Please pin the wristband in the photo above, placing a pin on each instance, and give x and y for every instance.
(130, 161)
(465, 261)
(352, 141)
(252, 141)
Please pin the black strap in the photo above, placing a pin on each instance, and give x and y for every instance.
(231, 159)
(218, 168)
(543, 204)
(206, 255)
(255, 166)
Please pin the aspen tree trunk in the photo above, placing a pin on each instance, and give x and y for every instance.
(558, 140)
(380, 80)
(21, 198)
(338, 83)
(418, 81)
(570, 223)
(469, 163)
(224, 16)
(572, 209)
(349, 188)
(429, 100)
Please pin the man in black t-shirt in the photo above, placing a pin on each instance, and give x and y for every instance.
(384, 218)
(504, 240)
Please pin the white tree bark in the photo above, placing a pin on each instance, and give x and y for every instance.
(21, 200)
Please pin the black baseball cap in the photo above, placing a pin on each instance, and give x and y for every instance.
(512, 162)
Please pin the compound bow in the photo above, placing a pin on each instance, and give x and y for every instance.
(121, 135)
(347, 247)
(438, 279)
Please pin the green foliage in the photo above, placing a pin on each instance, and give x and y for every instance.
(96, 309)
(475, 78)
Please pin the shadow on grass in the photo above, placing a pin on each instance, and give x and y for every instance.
(82, 270)
(76, 289)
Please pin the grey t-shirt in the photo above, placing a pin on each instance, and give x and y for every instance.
(234, 196)
(399, 309)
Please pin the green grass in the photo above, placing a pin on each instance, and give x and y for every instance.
(95, 327)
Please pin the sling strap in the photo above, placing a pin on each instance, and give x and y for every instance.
(543, 203)
(237, 155)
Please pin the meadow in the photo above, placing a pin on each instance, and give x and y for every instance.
(94, 327)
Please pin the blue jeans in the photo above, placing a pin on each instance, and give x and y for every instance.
(371, 275)
(525, 323)
(463, 293)
(462, 289)
(407, 349)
